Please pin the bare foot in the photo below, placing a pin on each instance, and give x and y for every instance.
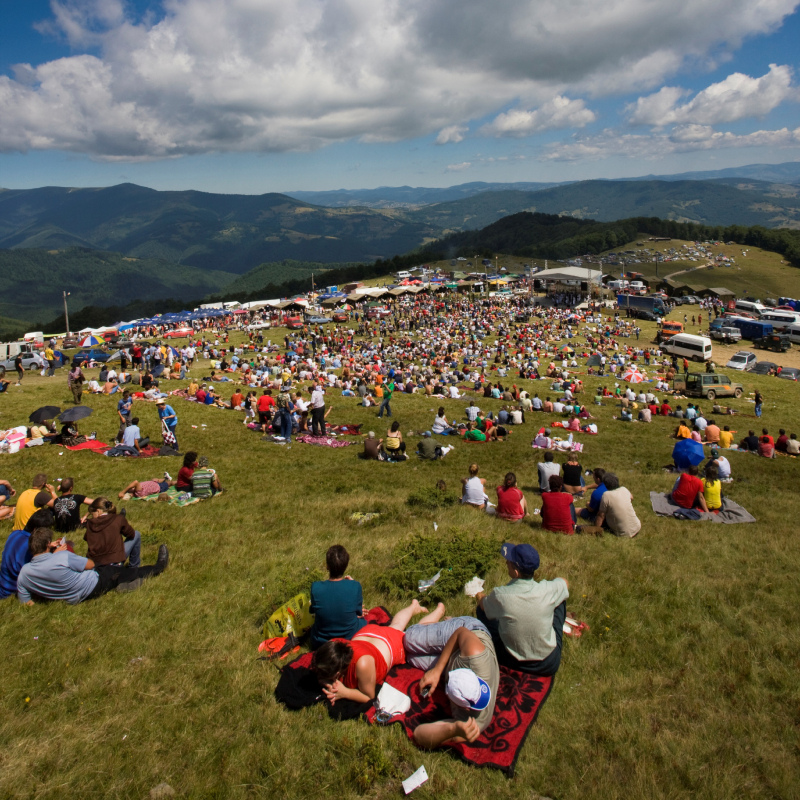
(416, 608)
(434, 616)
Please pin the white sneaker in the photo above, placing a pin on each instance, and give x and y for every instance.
(167, 476)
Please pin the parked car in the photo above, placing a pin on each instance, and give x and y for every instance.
(317, 320)
(28, 362)
(179, 333)
(743, 360)
(790, 373)
(708, 384)
(691, 300)
(92, 354)
(727, 335)
(775, 342)
(764, 367)
(340, 316)
(294, 323)
(643, 313)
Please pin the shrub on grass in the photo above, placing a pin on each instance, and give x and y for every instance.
(430, 498)
(459, 557)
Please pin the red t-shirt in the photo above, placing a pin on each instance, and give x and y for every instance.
(686, 492)
(556, 515)
(265, 402)
(509, 503)
(185, 478)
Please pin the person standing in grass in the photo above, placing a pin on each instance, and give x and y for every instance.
(525, 617)
(337, 603)
(388, 391)
(169, 418)
(75, 380)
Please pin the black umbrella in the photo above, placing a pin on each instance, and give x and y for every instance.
(44, 413)
(74, 414)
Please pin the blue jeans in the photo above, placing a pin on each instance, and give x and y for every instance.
(758, 410)
(133, 550)
(385, 404)
(286, 424)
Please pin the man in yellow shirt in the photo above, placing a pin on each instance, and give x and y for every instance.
(50, 358)
(26, 504)
(726, 438)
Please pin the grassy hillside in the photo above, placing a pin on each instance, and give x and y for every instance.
(277, 273)
(685, 684)
(35, 279)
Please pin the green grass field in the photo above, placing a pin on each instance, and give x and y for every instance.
(686, 684)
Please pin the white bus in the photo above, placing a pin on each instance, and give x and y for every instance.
(780, 320)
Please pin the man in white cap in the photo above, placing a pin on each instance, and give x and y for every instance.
(467, 660)
(526, 617)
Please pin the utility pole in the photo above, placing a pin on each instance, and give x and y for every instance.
(66, 313)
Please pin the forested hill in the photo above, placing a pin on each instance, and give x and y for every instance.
(33, 280)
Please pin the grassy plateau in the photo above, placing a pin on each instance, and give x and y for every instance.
(685, 685)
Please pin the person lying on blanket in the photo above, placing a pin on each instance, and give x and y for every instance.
(350, 670)
(146, 488)
(467, 660)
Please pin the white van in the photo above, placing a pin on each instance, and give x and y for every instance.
(793, 332)
(401, 276)
(687, 345)
(780, 320)
(750, 308)
(617, 285)
(637, 286)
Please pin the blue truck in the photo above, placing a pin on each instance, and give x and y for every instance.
(655, 305)
(750, 328)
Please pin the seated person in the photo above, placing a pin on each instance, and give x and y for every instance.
(525, 617)
(145, 488)
(573, 475)
(337, 604)
(712, 488)
(793, 445)
(688, 490)
(372, 447)
(393, 445)
(351, 670)
(67, 507)
(616, 510)
(511, 503)
(132, 436)
(749, 443)
(598, 490)
(625, 415)
(558, 512)
(765, 447)
(474, 489)
(16, 551)
(6, 491)
(440, 424)
(547, 468)
(473, 433)
(54, 573)
(111, 539)
(428, 448)
(465, 657)
(184, 480)
(205, 481)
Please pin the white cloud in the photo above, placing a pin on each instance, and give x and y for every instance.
(737, 97)
(452, 134)
(271, 75)
(611, 143)
(560, 112)
(458, 167)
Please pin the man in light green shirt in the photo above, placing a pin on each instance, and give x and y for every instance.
(526, 617)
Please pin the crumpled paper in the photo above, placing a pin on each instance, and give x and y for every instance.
(472, 587)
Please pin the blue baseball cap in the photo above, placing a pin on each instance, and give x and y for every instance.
(524, 556)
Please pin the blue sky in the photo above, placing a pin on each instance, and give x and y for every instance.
(256, 96)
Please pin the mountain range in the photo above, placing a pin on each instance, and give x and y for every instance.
(153, 244)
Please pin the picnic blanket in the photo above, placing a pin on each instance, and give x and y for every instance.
(519, 700)
(558, 424)
(175, 497)
(91, 444)
(346, 430)
(731, 512)
(322, 441)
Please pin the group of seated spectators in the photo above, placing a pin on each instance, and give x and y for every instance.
(518, 625)
(40, 563)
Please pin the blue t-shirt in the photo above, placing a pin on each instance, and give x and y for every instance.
(15, 554)
(124, 407)
(597, 496)
(56, 576)
(168, 411)
(335, 605)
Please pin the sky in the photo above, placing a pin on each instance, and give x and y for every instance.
(256, 96)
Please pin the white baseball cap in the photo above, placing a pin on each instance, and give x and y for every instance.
(467, 690)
